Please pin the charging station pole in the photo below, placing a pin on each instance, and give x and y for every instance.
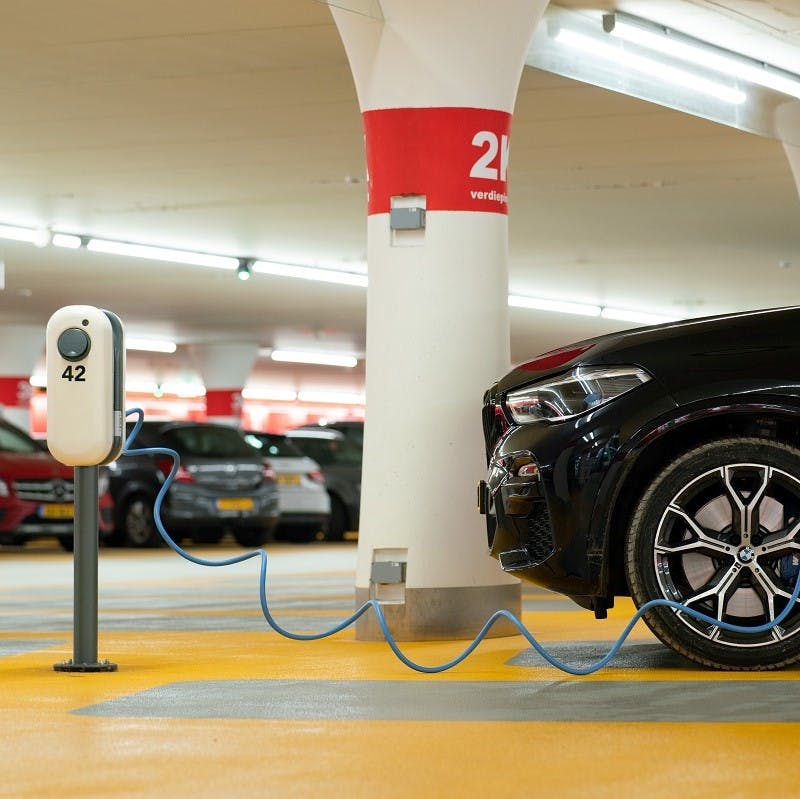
(85, 356)
(84, 646)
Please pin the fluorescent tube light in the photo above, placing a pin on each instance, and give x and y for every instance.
(644, 317)
(582, 309)
(310, 273)
(707, 55)
(180, 389)
(66, 240)
(318, 358)
(276, 394)
(648, 66)
(150, 345)
(331, 397)
(162, 254)
(13, 233)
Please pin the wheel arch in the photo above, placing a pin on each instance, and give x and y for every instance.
(652, 450)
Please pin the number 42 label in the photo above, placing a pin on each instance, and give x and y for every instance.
(74, 373)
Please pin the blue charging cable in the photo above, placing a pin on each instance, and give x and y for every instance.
(375, 605)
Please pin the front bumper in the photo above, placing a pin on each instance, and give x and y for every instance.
(518, 521)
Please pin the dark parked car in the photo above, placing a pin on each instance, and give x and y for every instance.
(37, 492)
(340, 461)
(349, 428)
(661, 462)
(222, 484)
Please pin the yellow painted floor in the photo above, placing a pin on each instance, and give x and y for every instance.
(207, 703)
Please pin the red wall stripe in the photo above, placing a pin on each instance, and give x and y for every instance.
(456, 157)
(15, 392)
(223, 402)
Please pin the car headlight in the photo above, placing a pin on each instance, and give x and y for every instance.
(582, 390)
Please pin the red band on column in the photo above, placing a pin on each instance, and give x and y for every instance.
(456, 157)
(15, 392)
(223, 402)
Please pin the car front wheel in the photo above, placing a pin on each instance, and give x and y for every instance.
(138, 526)
(718, 530)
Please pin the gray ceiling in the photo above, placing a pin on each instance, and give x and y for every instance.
(234, 128)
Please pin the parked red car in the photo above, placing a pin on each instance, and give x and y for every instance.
(37, 492)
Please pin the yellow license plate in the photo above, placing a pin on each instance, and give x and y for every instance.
(57, 510)
(235, 503)
(289, 479)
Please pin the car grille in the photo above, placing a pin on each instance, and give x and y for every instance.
(494, 425)
(539, 541)
(50, 490)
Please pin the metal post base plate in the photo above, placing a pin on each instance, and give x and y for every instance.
(70, 665)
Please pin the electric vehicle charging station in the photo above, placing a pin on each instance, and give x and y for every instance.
(85, 361)
(85, 356)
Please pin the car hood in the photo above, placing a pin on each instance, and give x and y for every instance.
(666, 347)
(32, 465)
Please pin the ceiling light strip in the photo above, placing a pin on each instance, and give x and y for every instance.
(648, 66)
(310, 273)
(316, 358)
(585, 309)
(153, 253)
(704, 54)
(150, 345)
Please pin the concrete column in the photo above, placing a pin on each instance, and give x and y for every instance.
(436, 81)
(21, 347)
(225, 367)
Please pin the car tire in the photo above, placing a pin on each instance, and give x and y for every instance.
(338, 524)
(138, 525)
(719, 530)
(251, 536)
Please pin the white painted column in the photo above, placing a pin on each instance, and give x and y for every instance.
(436, 81)
(225, 367)
(21, 347)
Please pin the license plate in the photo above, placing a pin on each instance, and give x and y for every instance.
(57, 510)
(235, 503)
(289, 479)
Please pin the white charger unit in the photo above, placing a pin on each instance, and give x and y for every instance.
(85, 355)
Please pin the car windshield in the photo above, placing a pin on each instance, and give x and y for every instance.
(14, 441)
(271, 445)
(329, 451)
(208, 442)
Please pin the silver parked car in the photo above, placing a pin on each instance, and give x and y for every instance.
(302, 494)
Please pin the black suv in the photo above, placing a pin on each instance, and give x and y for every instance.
(222, 485)
(661, 462)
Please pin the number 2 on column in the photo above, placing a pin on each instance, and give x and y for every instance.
(483, 168)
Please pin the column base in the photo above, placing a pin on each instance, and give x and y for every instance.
(437, 614)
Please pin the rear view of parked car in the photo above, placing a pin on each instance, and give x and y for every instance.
(303, 499)
(340, 461)
(222, 485)
(37, 492)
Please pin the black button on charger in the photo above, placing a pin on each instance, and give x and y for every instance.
(74, 344)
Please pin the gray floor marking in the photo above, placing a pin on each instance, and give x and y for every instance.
(437, 700)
